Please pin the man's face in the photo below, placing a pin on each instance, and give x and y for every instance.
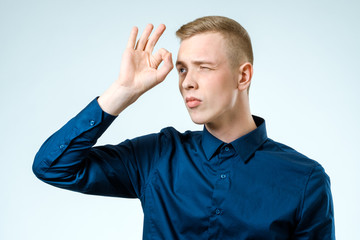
(207, 81)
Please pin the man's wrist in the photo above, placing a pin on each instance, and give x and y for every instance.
(115, 99)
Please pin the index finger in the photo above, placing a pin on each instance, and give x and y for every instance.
(154, 38)
(132, 39)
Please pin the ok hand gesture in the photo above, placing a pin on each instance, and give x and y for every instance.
(139, 70)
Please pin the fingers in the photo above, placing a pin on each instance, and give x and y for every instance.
(144, 37)
(132, 38)
(146, 43)
(154, 38)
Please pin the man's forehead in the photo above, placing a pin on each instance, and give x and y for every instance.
(203, 38)
(203, 47)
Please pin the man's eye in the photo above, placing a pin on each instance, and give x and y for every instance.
(182, 70)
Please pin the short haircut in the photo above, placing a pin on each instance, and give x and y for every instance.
(238, 41)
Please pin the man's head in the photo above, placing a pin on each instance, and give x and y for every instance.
(215, 69)
(239, 49)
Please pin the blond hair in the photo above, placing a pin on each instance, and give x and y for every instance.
(239, 47)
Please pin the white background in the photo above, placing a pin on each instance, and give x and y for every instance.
(56, 56)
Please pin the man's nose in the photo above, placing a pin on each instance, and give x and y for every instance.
(189, 81)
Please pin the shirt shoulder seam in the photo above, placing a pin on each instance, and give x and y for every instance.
(302, 202)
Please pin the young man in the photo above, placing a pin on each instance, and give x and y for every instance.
(229, 181)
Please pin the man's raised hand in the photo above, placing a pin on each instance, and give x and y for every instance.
(139, 67)
(139, 70)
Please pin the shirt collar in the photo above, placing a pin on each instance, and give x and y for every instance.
(244, 146)
(210, 143)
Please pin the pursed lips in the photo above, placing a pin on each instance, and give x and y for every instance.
(192, 102)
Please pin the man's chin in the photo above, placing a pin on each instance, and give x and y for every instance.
(198, 121)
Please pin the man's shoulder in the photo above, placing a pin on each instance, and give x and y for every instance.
(173, 133)
(283, 155)
(290, 164)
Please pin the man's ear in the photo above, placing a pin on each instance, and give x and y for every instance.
(245, 75)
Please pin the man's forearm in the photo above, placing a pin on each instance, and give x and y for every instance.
(67, 159)
(61, 157)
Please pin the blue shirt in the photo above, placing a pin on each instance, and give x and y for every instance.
(192, 185)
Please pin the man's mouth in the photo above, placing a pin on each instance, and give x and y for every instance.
(192, 102)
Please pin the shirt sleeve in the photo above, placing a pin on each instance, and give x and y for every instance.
(68, 160)
(317, 213)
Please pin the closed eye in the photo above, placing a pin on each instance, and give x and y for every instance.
(204, 68)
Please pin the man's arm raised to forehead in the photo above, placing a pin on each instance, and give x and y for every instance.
(139, 70)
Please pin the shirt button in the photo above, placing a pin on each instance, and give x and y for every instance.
(227, 149)
(217, 211)
(92, 122)
(223, 176)
(62, 146)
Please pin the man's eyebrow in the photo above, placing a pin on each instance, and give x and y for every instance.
(178, 62)
(196, 62)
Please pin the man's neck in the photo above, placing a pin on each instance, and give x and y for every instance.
(230, 131)
(236, 123)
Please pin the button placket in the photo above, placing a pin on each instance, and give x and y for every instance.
(221, 186)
